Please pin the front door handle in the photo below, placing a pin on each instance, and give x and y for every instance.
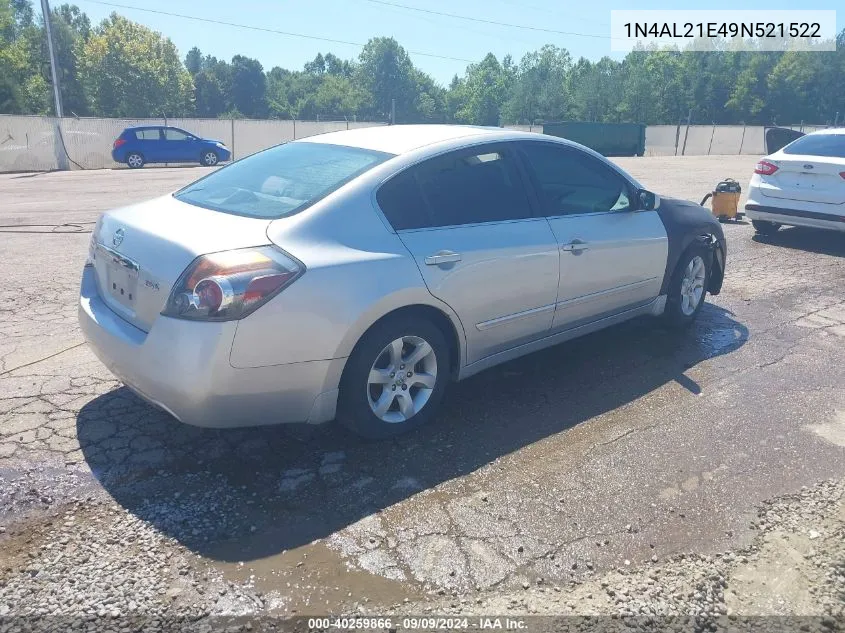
(575, 246)
(442, 257)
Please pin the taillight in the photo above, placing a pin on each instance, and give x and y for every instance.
(842, 173)
(230, 285)
(119, 142)
(765, 168)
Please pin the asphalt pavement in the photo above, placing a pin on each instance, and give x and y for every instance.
(630, 444)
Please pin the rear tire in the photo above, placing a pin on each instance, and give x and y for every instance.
(209, 158)
(378, 398)
(135, 160)
(688, 287)
(764, 227)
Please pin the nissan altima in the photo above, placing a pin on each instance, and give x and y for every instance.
(353, 275)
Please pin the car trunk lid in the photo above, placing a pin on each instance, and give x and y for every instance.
(806, 179)
(142, 250)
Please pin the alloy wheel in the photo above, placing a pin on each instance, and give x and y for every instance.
(402, 379)
(692, 285)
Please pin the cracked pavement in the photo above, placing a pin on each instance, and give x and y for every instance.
(628, 444)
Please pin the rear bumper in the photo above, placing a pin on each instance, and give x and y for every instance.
(796, 217)
(183, 367)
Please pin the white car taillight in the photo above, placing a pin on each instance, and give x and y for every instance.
(230, 285)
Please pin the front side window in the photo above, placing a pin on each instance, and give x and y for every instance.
(570, 182)
(148, 134)
(829, 145)
(281, 180)
(172, 134)
(463, 187)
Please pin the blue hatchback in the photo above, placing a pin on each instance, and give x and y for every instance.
(137, 146)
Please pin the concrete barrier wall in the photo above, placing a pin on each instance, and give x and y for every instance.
(704, 140)
(660, 140)
(27, 144)
(31, 143)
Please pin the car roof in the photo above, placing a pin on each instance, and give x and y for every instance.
(150, 126)
(400, 139)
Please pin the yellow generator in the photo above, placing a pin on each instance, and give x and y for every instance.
(725, 200)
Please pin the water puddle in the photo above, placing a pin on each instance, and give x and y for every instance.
(310, 579)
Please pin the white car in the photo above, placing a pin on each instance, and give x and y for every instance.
(802, 184)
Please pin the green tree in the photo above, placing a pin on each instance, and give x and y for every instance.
(209, 94)
(749, 98)
(212, 81)
(430, 101)
(249, 86)
(385, 72)
(12, 61)
(71, 28)
(337, 66)
(484, 91)
(336, 97)
(540, 86)
(193, 61)
(129, 70)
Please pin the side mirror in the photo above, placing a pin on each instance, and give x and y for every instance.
(647, 201)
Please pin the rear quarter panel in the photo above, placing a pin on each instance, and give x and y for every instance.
(357, 271)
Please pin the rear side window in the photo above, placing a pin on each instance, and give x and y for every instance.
(465, 187)
(402, 203)
(570, 182)
(830, 145)
(149, 134)
(281, 180)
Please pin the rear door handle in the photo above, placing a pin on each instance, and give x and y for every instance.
(443, 257)
(575, 246)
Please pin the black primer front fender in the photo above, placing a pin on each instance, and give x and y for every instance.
(687, 223)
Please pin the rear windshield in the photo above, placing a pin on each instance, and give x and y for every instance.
(832, 145)
(281, 180)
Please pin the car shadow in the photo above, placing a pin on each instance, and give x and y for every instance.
(241, 495)
(806, 239)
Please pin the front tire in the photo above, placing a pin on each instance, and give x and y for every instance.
(395, 378)
(765, 228)
(135, 160)
(209, 158)
(688, 286)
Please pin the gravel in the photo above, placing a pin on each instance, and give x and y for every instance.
(94, 562)
(708, 587)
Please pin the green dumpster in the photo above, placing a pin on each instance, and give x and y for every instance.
(608, 139)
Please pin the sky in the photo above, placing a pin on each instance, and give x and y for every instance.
(424, 35)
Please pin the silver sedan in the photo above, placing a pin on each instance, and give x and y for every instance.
(355, 274)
